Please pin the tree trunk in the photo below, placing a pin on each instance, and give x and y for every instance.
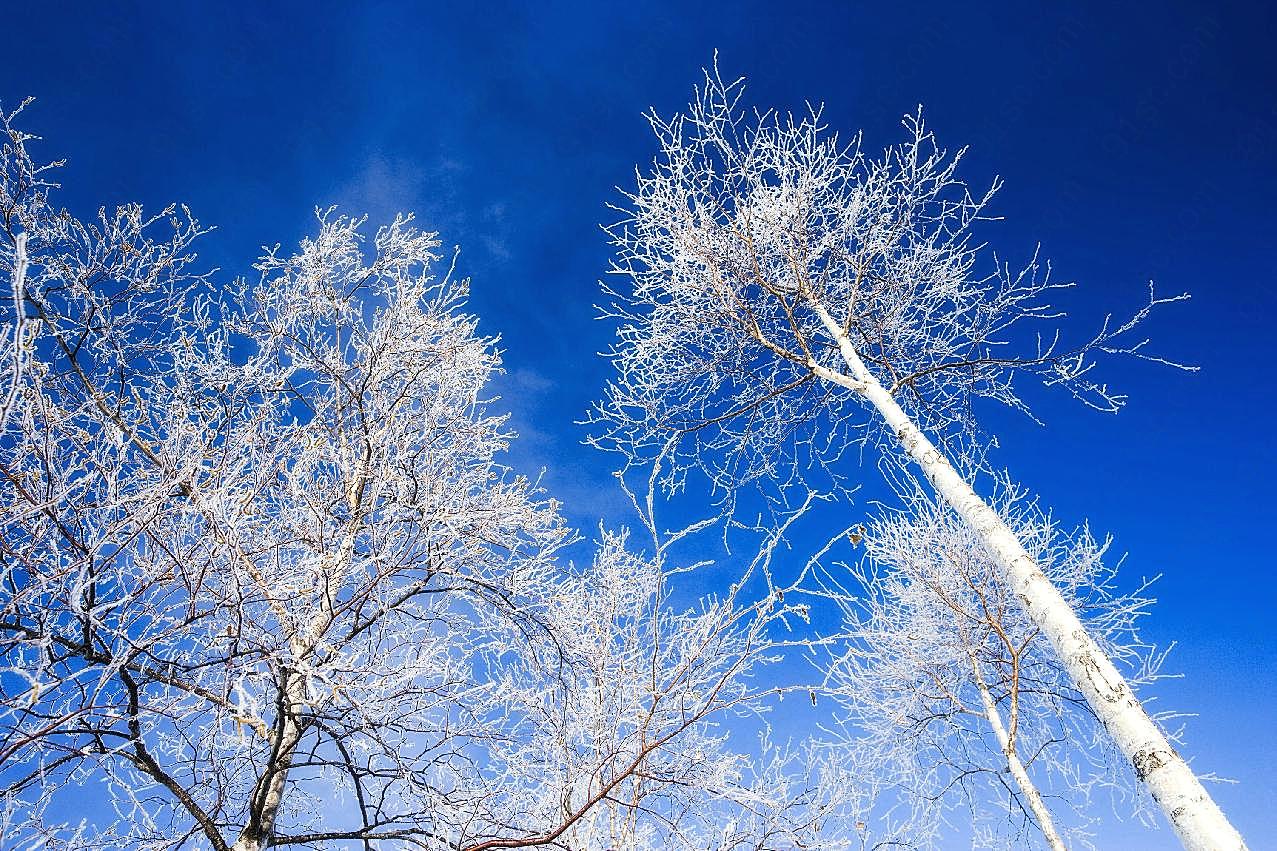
(1040, 812)
(1193, 814)
(269, 793)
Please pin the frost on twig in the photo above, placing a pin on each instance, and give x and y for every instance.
(747, 225)
(264, 580)
(952, 697)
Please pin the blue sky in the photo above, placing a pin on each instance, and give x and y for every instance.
(1135, 144)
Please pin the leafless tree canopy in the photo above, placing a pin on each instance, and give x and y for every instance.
(265, 582)
(784, 299)
(953, 698)
(747, 227)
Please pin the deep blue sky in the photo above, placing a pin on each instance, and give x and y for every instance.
(1135, 144)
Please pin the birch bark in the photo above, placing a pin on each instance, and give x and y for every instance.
(269, 794)
(1195, 817)
(1021, 775)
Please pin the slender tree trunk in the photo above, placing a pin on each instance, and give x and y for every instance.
(264, 809)
(1193, 814)
(1034, 798)
(269, 792)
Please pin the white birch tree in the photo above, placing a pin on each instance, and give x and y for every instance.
(264, 582)
(955, 697)
(788, 297)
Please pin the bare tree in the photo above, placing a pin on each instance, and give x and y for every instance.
(953, 693)
(264, 582)
(789, 297)
(625, 751)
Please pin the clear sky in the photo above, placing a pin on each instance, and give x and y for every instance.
(1135, 144)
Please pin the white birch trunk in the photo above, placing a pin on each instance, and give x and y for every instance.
(1193, 814)
(258, 833)
(1040, 812)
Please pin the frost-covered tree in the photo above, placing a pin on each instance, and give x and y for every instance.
(954, 697)
(620, 749)
(264, 582)
(788, 297)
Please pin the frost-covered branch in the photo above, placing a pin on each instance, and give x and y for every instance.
(949, 689)
(264, 580)
(787, 299)
(749, 221)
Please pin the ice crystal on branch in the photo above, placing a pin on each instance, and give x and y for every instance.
(753, 231)
(950, 693)
(264, 581)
